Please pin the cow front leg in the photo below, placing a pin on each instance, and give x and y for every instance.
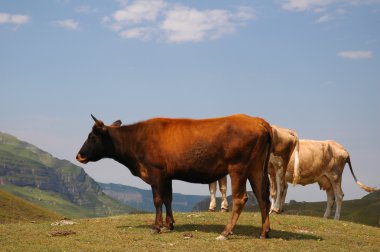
(273, 191)
(330, 202)
(280, 188)
(157, 200)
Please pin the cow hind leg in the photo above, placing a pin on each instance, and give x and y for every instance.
(168, 198)
(239, 195)
(338, 198)
(283, 196)
(259, 187)
(259, 180)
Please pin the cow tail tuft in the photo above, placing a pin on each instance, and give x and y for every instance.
(361, 185)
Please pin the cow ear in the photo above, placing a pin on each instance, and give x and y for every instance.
(116, 123)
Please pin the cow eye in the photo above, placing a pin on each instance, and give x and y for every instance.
(91, 138)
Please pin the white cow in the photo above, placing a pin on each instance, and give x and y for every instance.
(323, 162)
(223, 191)
(284, 144)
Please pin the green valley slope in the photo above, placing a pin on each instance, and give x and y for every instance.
(55, 184)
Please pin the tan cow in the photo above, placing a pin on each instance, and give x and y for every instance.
(323, 162)
(285, 142)
(223, 190)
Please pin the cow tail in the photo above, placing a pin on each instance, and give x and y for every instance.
(296, 173)
(265, 178)
(361, 185)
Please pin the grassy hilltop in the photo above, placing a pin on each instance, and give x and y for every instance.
(193, 232)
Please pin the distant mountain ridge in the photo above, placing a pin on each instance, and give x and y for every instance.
(23, 165)
(142, 200)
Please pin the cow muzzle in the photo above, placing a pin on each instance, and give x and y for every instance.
(81, 159)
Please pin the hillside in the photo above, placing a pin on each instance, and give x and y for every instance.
(142, 200)
(14, 209)
(365, 210)
(192, 232)
(24, 166)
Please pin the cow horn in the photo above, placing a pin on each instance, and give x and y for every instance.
(93, 117)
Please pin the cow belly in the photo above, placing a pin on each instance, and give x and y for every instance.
(202, 175)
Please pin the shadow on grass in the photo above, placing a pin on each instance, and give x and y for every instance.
(239, 231)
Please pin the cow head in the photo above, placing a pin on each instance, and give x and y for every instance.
(97, 144)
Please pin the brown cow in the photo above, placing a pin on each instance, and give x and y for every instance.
(223, 190)
(198, 151)
(323, 162)
(284, 143)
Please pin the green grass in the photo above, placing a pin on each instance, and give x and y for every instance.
(132, 233)
(14, 209)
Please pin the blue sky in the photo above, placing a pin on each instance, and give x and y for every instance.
(309, 65)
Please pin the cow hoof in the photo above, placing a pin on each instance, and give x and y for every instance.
(211, 210)
(275, 210)
(221, 238)
(155, 231)
(166, 230)
(266, 236)
(224, 210)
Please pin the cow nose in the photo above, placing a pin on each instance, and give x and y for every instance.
(81, 159)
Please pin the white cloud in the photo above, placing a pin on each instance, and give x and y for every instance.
(68, 24)
(188, 24)
(330, 16)
(325, 18)
(16, 19)
(245, 13)
(140, 10)
(355, 54)
(140, 32)
(145, 19)
(335, 8)
(182, 24)
(317, 5)
(303, 5)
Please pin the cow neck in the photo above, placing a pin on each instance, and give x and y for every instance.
(124, 144)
